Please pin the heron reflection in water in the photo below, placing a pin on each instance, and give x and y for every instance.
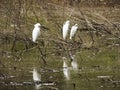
(66, 70)
(74, 63)
(37, 79)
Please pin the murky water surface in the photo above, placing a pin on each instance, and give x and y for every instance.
(90, 70)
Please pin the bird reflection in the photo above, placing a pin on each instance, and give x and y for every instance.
(74, 63)
(37, 79)
(36, 75)
(66, 71)
(39, 84)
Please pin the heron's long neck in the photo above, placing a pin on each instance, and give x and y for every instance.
(37, 27)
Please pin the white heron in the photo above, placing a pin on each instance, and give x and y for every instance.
(66, 69)
(73, 30)
(65, 29)
(36, 32)
(36, 75)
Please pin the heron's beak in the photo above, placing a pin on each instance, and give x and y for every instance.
(45, 28)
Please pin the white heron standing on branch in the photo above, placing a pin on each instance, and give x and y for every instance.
(36, 32)
(65, 29)
(73, 30)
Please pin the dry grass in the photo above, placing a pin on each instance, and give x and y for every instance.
(96, 24)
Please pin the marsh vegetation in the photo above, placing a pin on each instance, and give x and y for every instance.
(95, 47)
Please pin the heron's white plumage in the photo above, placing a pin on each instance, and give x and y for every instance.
(36, 75)
(65, 29)
(73, 30)
(36, 32)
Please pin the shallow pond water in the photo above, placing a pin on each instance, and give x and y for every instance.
(96, 71)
